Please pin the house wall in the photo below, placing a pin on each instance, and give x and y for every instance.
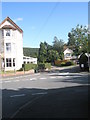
(68, 54)
(29, 60)
(16, 40)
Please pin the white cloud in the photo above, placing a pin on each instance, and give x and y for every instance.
(18, 19)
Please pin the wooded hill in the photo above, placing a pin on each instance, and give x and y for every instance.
(32, 52)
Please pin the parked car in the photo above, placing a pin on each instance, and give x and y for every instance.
(83, 62)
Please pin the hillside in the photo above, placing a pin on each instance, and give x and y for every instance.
(32, 52)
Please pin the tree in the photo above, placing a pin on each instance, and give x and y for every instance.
(58, 46)
(42, 56)
(78, 39)
(52, 55)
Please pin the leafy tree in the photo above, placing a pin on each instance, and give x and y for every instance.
(58, 46)
(52, 55)
(42, 56)
(78, 39)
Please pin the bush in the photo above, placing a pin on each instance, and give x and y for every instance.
(42, 66)
(21, 69)
(48, 65)
(30, 66)
(65, 63)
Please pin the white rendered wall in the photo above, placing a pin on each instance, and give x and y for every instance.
(16, 40)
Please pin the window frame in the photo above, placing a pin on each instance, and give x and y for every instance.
(8, 62)
(8, 47)
(8, 32)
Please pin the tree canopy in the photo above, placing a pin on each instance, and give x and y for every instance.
(78, 39)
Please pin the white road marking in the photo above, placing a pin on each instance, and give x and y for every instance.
(32, 78)
(7, 81)
(52, 77)
(42, 93)
(42, 78)
(67, 76)
(20, 95)
(60, 76)
(15, 80)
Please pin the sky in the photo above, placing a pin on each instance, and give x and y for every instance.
(41, 21)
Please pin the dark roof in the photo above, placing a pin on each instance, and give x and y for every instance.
(8, 27)
(14, 24)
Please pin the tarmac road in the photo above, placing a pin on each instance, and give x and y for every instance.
(58, 94)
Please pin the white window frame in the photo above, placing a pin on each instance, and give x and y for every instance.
(8, 32)
(8, 47)
(8, 62)
(13, 62)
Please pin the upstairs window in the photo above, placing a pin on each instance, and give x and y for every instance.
(68, 54)
(2, 32)
(8, 47)
(8, 33)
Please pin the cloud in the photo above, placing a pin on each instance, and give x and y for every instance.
(18, 19)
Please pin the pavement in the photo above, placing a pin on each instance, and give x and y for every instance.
(53, 68)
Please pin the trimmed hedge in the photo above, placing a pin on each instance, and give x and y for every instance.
(40, 66)
(64, 63)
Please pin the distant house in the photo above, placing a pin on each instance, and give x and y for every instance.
(11, 35)
(68, 54)
(27, 60)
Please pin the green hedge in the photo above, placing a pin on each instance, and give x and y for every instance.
(67, 63)
(30, 66)
(44, 65)
(48, 65)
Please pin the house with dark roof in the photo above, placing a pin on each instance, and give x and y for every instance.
(11, 39)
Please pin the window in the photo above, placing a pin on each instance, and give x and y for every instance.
(24, 58)
(2, 32)
(8, 47)
(8, 33)
(67, 54)
(13, 62)
(8, 62)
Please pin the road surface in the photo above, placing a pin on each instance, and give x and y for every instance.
(55, 94)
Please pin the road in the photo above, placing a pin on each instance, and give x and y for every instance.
(55, 94)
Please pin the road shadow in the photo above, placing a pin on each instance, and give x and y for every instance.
(68, 102)
(75, 69)
(73, 78)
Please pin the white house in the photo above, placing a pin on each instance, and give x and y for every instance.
(27, 60)
(12, 37)
(68, 54)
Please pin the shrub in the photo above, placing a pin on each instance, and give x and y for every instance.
(41, 65)
(48, 65)
(30, 66)
(63, 64)
(21, 69)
